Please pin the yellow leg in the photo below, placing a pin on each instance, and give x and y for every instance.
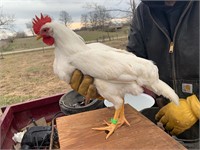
(111, 127)
(122, 118)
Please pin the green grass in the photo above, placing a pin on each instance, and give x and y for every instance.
(24, 43)
(31, 42)
(27, 76)
(9, 100)
(94, 35)
(33, 69)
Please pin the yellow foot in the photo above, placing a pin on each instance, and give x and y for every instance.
(122, 120)
(119, 124)
(111, 128)
(117, 121)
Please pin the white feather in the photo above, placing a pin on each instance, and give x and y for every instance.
(116, 72)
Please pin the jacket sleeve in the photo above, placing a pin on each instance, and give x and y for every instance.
(135, 38)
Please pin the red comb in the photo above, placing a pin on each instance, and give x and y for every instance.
(39, 22)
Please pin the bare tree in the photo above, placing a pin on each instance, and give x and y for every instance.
(129, 12)
(21, 34)
(6, 21)
(132, 8)
(29, 26)
(65, 18)
(104, 17)
(84, 20)
(93, 19)
(98, 16)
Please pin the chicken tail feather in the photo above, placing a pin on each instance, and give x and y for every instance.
(161, 88)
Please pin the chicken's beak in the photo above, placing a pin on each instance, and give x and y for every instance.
(38, 37)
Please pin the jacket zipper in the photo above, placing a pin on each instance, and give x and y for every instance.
(171, 46)
(171, 50)
(174, 80)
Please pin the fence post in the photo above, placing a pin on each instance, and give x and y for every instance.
(2, 55)
(2, 49)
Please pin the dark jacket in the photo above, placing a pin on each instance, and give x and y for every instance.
(178, 64)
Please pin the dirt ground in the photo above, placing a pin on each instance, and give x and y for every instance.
(30, 75)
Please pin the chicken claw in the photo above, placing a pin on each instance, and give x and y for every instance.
(111, 128)
(116, 122)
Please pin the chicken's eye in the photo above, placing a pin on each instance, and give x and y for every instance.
(45, 29)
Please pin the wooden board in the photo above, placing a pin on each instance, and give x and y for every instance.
(75, 132)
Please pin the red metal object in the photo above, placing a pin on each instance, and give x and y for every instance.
(16, 117)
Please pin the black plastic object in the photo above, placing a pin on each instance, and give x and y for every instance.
(189, 138)
(38, 137)
(72, 103)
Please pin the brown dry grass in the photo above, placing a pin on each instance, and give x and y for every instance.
(30, 75)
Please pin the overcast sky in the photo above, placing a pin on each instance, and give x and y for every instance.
(25, 10)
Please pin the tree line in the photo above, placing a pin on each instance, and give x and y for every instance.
(97, 18)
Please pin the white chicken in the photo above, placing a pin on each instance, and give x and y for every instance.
(115, 72)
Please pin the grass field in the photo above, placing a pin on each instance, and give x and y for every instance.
(30, 75)
(24, 43)
(31, 42)
(94, 35)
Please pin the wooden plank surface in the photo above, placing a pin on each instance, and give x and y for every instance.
(75, 132)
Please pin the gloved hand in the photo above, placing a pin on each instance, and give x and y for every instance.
(177, 119)
(83, 84)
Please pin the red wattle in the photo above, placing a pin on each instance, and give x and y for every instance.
(48, 40)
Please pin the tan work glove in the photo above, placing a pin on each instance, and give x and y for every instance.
(177, 119)
(83, 84)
